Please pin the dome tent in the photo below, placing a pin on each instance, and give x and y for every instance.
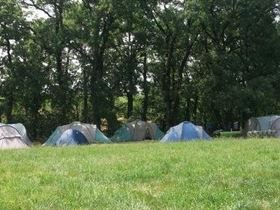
(185, 131)
(22, 131)
(11, 137)
(265, 124)
(136, 131)
(76, 133)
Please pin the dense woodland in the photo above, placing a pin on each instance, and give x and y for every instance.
(104, 61)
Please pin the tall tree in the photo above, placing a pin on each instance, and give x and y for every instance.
(53, 38)
(176, 34)
(11, 32)
(240, 58)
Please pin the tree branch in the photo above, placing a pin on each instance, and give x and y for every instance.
(33, 4)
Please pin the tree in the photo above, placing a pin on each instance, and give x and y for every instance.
(176, 34)
(11, 32)
(53, 37)
(239, 45)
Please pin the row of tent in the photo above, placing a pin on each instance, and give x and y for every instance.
(76, 133)
(266, 124)
(15, 135)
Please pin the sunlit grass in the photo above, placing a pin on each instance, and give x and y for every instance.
(229, 174)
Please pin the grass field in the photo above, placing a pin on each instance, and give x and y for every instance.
(220, 174)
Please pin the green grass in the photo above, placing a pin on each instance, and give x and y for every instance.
(229, 174)
(230, 134)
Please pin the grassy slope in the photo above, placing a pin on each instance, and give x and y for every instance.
(237, 174)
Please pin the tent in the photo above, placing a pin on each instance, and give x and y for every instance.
(185, 131)
(11, 137)
(22, 130)
(270, 124)
(136, 131)
(76, 133)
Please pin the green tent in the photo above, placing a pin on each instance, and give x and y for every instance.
(136, 131)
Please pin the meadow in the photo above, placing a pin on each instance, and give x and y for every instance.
(219, 174)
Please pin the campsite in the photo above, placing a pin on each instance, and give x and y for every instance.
(143, 104)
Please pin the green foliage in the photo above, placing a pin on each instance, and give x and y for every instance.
(224, 174)
(211, 62)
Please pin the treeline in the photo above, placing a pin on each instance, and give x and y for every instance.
(211, 62)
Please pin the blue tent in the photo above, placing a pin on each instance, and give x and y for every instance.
(76, 133)
(72, 137)
(185, 131)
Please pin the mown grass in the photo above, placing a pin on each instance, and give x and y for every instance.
(230, 134)
(221, 174)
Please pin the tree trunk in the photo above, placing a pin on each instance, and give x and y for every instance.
(85, 96)
(96, 96)
(62, 91)
(188, 110)
(166, 87)
(145, 90)
(244, 119)
(9, 107)
(131, 66)
(97, 85)
(10, 95)
(129, 96)
(195, 108)
(35, 125)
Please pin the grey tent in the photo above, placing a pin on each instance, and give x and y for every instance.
(22, 130)
(11, 137)
(76, 132)
(265, 124)
(136, 131)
